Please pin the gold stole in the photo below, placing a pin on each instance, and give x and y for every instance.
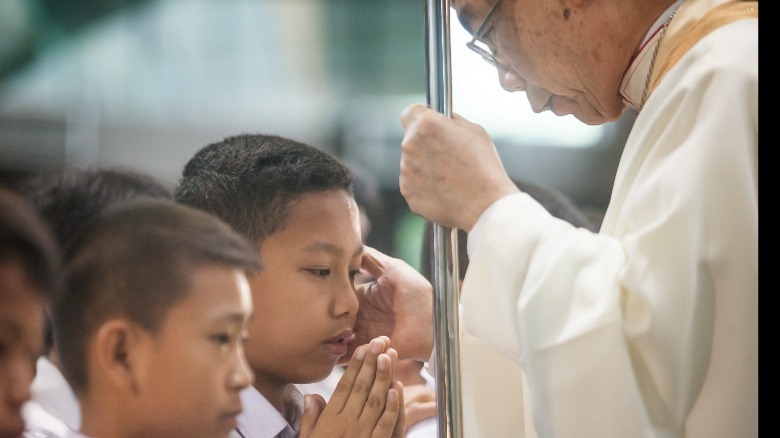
(715, 18)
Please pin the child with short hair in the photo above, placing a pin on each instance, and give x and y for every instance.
(294, 202)
(29, 275)
(66, 198)
(151, 326)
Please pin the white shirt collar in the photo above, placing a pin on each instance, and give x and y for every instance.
(53, 406)
(260, 419)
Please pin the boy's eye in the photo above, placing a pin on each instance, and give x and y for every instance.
(320, 272)
(354, 273)
(222, 338)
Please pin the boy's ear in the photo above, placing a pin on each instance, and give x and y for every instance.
(118, 347)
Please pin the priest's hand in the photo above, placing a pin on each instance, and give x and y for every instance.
(396, 302)
(450, 170)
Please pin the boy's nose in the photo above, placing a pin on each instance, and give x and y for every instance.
(346, 301)
(241, 375)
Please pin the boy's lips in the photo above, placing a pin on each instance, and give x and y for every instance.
(231, 416)
(342, 338)
(338, 345)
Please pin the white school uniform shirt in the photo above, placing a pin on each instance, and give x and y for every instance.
(260, 419)
(53, 410)
(650, 327)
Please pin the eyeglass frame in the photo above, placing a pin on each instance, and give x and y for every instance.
(489, 57)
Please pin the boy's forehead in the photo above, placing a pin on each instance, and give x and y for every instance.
(319, 246)
(318, 223)
(218, 294)
(306, 203)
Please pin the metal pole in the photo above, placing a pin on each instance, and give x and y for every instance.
(446, 325)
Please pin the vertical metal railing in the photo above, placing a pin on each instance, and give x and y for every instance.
(445, 256)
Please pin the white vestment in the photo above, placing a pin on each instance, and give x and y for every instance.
(650, 327)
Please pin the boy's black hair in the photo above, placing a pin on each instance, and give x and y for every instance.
(251, 180)
(66, 198)
(135, 260)
(25, 238)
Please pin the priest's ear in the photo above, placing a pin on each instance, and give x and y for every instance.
(117, 351)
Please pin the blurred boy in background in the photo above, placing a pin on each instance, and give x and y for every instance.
(66, 199)
(29, 276)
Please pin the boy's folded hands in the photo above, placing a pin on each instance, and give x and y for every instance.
(367, 401)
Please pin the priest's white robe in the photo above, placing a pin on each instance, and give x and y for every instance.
(648, 328)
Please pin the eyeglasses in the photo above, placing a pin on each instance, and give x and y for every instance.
(484, 52)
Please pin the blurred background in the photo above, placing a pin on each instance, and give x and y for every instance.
(145, 83)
